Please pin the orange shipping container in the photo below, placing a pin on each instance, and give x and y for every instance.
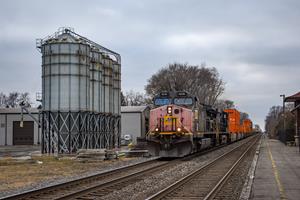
(233, 120)
(247, 126)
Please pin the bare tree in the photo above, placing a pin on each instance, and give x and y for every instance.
(3, 100)
(132, 98)
(272, 120)
(14, 99)
(224, 104)
(123, 100)
(25, 98)
(274, 123)
(203, 82)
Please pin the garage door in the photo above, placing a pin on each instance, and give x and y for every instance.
(24, 135)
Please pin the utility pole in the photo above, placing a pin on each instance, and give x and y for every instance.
(283, 114)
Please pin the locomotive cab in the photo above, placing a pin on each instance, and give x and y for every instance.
(171, 125)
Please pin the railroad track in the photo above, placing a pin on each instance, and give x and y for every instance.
(101, 190)
(207, 181)
(99, 185)
(76, 187)
(64, 189)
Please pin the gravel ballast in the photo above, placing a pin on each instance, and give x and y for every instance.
(157, 181)
(144, 188)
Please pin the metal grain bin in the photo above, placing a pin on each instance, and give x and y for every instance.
(108, 84)
(65, 74)
(81, 93)
(96, 86)
(116, 88)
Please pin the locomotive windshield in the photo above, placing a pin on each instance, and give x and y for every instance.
(183, 101)
(180, 98)
(162, 101)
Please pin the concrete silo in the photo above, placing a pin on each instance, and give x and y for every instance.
(78, 94)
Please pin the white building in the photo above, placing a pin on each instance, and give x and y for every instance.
(135, 121)
(10, 131)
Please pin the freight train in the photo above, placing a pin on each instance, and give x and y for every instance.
(179, 125)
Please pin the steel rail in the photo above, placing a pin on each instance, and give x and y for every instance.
(189, 177)
(54, 188)
(61, 186)
(219, 185)
(107, 186)
(129, 177)
(69, 192)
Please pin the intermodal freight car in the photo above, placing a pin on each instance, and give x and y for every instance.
(179, 125)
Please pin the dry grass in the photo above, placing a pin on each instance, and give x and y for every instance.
(24, 173)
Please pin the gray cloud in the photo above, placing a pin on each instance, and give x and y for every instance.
(253, 44)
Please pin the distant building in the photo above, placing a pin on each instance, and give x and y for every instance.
(10, 131)
(296, 100)
(134, 121)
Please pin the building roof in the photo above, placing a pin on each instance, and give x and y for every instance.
(17, 110)
(133, 109)
(293, 98)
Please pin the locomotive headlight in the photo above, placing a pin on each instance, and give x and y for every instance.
(178, 129)
(156, 129)
(169, 110)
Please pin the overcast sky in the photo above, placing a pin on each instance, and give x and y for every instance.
(253, 44)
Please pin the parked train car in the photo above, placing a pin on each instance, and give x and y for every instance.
(179, 125)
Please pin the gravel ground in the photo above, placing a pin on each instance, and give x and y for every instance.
(154, 183)
(53, 181)
(233, 187)
(18, 150)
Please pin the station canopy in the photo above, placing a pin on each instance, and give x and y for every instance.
(293, 98)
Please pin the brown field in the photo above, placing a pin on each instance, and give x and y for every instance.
(15, 174)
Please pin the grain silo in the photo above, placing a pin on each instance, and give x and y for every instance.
(108, 90)
(116, 88)
(80, 103)
(65, 74)
(96, 78)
